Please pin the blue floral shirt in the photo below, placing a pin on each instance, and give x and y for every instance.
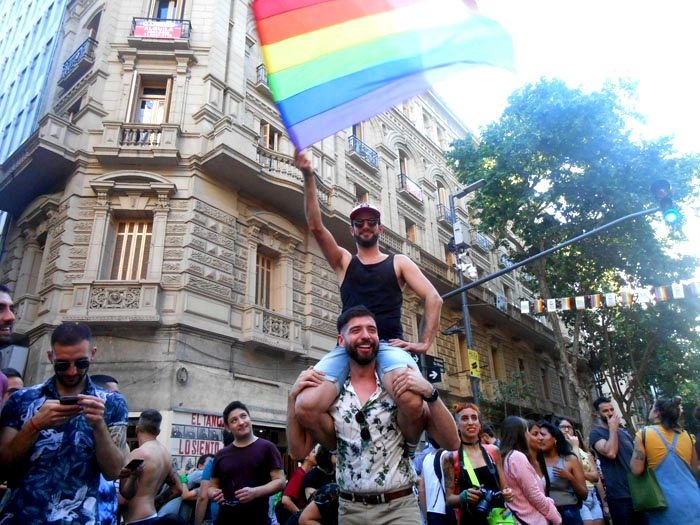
(59, 481)
(379, 464)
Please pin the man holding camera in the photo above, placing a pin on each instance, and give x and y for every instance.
(60, 436)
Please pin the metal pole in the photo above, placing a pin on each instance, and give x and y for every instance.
(464, 288)
(474, 381)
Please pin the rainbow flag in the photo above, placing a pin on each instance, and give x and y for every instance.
(334, 63)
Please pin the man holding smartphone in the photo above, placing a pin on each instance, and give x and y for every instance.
(60, 436)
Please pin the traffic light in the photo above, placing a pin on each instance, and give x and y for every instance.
(661, 189)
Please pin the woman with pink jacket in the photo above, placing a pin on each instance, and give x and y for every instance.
(530, 504)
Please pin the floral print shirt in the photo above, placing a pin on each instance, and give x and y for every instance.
(376, 465)
(59, 482)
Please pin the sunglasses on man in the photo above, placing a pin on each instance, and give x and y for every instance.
(359, 223)
(62, 366)
(364, 427)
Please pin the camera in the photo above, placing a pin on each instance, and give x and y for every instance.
(483, 507)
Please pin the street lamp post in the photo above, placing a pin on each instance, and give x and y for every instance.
(460, 245)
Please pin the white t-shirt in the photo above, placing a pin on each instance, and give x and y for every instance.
(434, 490)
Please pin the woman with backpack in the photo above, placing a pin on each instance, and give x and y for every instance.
(473, 475)
(530, 503)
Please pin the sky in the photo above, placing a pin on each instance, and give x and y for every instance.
(585, 43)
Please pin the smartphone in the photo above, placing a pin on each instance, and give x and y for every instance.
(69, 400)
(134, 464)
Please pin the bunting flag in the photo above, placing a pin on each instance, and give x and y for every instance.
(610, 300)
(333, 63)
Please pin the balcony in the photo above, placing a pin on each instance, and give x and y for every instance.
(443, 214)
(154, 33)
(116, 302)
(157, 143)
(264, 328)
(360, 151)
(78, 63)
(410, 187)
(481, 242)
(261, 84)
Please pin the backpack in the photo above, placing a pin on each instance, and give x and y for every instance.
(450, 516)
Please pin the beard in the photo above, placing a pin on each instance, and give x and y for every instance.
(362, 360)
(367, 243)
(74, 381)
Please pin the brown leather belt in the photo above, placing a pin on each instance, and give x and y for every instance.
(375, 499)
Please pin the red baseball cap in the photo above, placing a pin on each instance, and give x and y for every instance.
(365, 206)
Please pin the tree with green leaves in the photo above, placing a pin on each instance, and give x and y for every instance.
(561, 162)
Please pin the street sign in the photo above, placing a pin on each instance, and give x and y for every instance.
(433, 374)
(474, 367)
(432, 361)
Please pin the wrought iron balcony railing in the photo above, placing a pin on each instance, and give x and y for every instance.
(78, 63)
(410, 186)
(443, 213)
(161, 28)
(363, 151)
(261, 74)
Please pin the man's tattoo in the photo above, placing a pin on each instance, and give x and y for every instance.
(448, 471)
(638, 454)
(118, 435)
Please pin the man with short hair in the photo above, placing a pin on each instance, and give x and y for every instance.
(614, 447)
(14, 381)
(246, 473)
(139, 485)
(375, 280)
(60, 436)
(106, 381)
(374, 470)
(7, 315)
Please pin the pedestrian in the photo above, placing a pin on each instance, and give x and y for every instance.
(322, 474)
(614, 447)
(375, 280)
(206, 511)
(530, 503)
(323, 507)
(591, 510)
(473, 472)
(152, 467)
(374, 471)
(669, 452)
(14, 382)
(293, 501)
(431, 488)
(245, 473)
(567, 482)
(59, 436)
(7, 315)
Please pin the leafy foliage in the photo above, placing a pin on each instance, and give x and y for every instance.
(561, 162)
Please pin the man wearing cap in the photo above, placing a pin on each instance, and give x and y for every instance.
(375, 280)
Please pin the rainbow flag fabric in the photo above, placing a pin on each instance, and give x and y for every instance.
(333, 63)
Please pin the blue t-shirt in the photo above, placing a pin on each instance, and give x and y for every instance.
(59, 480)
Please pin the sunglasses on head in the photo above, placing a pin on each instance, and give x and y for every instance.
(359, 223)
(62, 366)
(364, 428)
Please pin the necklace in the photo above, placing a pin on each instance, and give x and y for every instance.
(470, 444)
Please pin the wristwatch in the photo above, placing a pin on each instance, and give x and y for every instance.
(433, 396)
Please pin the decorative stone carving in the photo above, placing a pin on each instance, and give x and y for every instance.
(275, 326)
(115, 298)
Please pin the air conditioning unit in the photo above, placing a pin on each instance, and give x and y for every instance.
(14, 356)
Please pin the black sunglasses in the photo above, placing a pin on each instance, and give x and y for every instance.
(62, 366)
(359, 223)
(364, 429)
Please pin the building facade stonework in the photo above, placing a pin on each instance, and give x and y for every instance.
(158, 201)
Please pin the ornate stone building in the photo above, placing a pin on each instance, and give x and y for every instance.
(158, 202)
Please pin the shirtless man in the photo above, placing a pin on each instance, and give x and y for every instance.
(139, 485)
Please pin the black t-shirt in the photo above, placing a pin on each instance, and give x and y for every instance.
(615, 470)
(250, 466)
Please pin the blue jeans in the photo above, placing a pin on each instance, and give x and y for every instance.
(336, 364)
(570, 515)
(622, 512)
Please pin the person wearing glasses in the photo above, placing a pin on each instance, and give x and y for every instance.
(374, 471)
(59, 436)
(375, 280)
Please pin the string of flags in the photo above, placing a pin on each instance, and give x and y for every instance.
(653, 294)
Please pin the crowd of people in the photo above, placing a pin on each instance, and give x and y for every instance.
(354, 422)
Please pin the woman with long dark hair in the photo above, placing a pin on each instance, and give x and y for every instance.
(669, 451)
(591, 511)
(567, 483)
(529, 504)
(474, 472)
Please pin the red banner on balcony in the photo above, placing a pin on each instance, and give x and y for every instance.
(158, 28)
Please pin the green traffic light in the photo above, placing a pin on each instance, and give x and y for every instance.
(671, 216)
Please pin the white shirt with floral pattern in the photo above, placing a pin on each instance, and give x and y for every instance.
(381, 464)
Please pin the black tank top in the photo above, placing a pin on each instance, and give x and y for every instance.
(376, 287)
